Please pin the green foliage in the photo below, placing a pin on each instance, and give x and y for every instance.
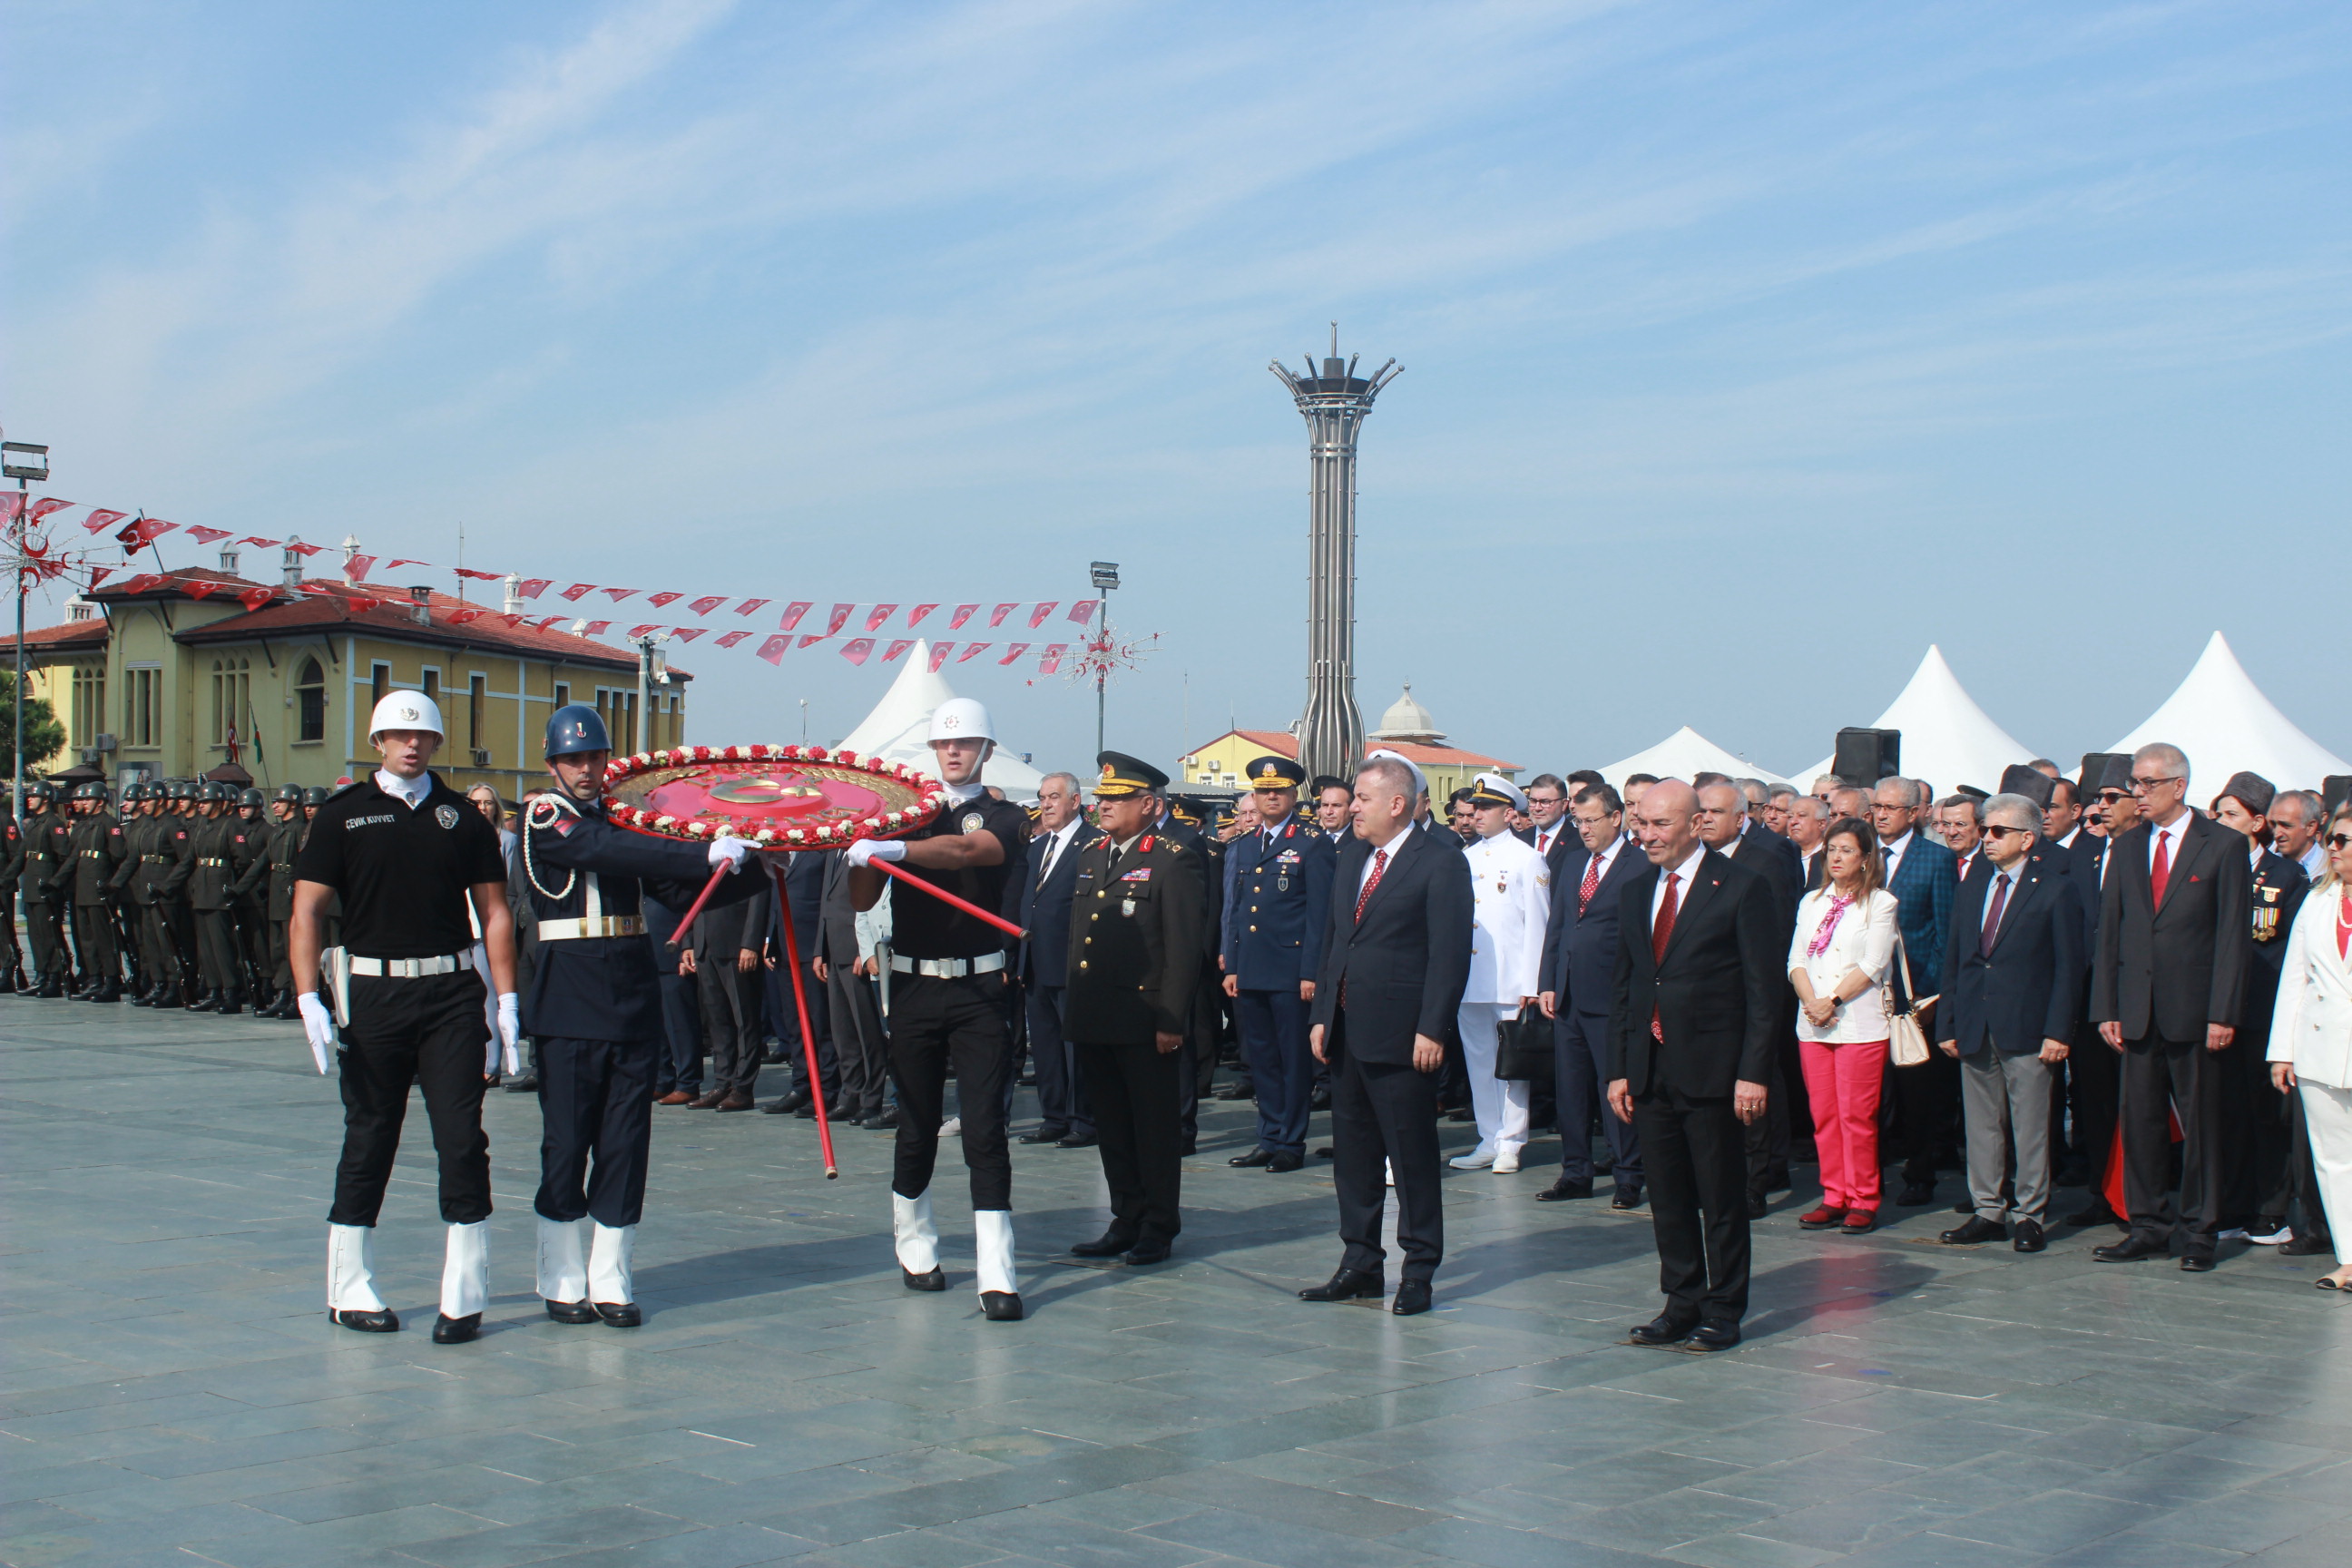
(44, 736)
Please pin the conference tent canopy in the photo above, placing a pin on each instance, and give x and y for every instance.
(2221, 717)
(1681, 754)
(899, 730)
(1948, 740)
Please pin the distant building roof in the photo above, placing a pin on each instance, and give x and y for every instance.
(69, 636)
(1282, 744)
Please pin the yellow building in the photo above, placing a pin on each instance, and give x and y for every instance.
(160, 676)
(1405, 729)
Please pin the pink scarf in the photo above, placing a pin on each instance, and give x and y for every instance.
(1828, 928)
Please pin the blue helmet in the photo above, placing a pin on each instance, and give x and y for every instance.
(576, 728)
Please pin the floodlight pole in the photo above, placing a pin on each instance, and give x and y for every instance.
(24, 463)
(1105, 576)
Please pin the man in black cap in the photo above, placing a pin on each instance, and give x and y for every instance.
(1134, 957)
(2258, 1128)
(1281, 880)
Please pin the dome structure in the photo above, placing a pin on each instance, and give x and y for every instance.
(1408, 721)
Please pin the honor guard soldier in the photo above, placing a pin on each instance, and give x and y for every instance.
(218, 857)
(11, 873)
(406, 852)
(1511, 884)
(285, 841)
(249, 897)
(48, 846)
(594, 1010)
(947, 1005)
(139, 880)
(1136, 931)
(1281, 880)
(97, 844)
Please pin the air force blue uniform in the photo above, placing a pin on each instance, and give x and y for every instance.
(1279, 893)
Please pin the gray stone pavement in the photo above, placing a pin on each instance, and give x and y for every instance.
(172, 1392)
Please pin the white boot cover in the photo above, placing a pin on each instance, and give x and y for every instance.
(608, 1265)
(563, 1260)
(992, 1235)
(465, 1270)
(917, 1239)
(351, 1270)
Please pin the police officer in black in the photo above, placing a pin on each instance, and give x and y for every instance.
(49, 846)
(594, 1010)
(407, 852)
(948, 1005)
(1281, 880)
(1136, 932)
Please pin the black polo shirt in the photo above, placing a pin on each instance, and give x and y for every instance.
(924, 926)
(402, 872)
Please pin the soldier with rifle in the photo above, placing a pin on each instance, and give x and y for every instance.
(250, 899)
(278, 908)
(83, 878)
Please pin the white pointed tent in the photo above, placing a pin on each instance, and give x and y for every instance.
(1948, 740)
(2221, 717)
(899, 728)
(1681, 754)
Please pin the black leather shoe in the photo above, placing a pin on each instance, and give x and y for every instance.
(1147, 1253)
(1660, 1331)
(1915, 1193)
(793, 1101)
(620, 1314)
(1253, 1159)
(1976, 1231)
(2130, 1249)
(526, 1084)
(999, 1306)
(1759, 1206)
(1283, 1164)
(936, 1279)
(447, 1330)
(782, 1106)
(2307, 1244)
(1046, 1135)
(1629, 1196)
(1411, 1297)
(1318, 1098)
(1077, 1141)
(1346, 1285)
(1565, 1192)
(572, 1311)
(1109, 1244)
(883, 1120)
(2196, 1263)
(1711, 1337)
(380, 1323)
(2029, 1237)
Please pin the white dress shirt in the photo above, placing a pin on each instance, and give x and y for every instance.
(1055, 842)
(1687, 870)
(1863, 940)
(1894, 849)
(2170, 838)
(1548, 837)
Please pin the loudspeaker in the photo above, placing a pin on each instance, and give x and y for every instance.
(2333, 789)
(1866, 756)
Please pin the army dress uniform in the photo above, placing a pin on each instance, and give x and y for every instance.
(148, 844)
(249, 897)
(48, 846)
(1136, 929)
(222, 852)
(277, 902)
(11, 873)
(1281, 882)
(98, 853)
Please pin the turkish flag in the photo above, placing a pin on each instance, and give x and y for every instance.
(145, 531)
(395, 565)
(578, 590)
(358, 567)
(707, 603)
(1015, 651)
(255, 598)
(659, 601)
(962, 614)
(462, 571)
(856, 649)
(686, 634)
(773, 650)
(747, 606)
(304, 551)
(207, 535)
(968, 649)
(640, 631)
(940, 652)
(1053, 660)
(43, 506)
(99, 575)
(996, 617)
(544, 622)
(896, 648)
(201, 587)
(532, 587)
(595, 628)
(915, 617)
(811, 638)
(618, 595)
(878, 614)
(793, 613)
(140, 583)
(732, 638)
(12, 507)
(1037, 616)
(100, 519)
(459, 618)
(838, 619)
(1083, 611)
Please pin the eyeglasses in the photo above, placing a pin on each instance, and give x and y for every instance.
(2141, 786)
(2339, 840)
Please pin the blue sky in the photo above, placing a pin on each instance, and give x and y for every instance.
(1748, 348)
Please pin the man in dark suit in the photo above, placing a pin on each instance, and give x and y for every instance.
(860, 1044)
(804, 872)
(1199, 1068)
(2165, 991)
(1808, 825)
(2258, 1118)
(1043, 898)
(1280, 881)
(1925, 879)
(2093, 1072)
(1695, 1003)
(2011, 989)
(1553, 835)
(1726, 827)
(1396, 959)
(1579, 963)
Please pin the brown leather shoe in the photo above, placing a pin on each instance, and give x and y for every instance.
(706, 1102)
(676, 1097)
(737, 1102)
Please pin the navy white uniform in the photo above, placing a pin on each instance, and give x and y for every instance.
(1281, 881)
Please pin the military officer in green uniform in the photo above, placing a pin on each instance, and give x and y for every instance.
(86, 880)
(12, 871)
(285, 839)
(48, 845)
(249, 897)
(1137, 933)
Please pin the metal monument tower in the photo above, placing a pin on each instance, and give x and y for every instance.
(1331, 730)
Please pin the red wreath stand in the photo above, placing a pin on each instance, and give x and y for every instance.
(781, 799)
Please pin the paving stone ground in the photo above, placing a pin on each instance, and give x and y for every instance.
(171, 1392)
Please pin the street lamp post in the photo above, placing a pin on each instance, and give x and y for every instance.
(653, 670)
(1105, 577)
(24, 463)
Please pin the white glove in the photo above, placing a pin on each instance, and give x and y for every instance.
(318, 1023)
(866, 849)
(729, 852)
(510, 1031)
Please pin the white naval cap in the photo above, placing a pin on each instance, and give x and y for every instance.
(1491, 790)
(405, 711)
(1420, 779)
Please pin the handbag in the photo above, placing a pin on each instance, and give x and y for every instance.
(1907, 1040)
(1523, 1046)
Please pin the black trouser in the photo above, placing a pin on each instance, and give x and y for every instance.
(934, 1021)
(282, 959)
(45, 932)
(1062, 1105)
(681, 1068)
(101, 956)
(1384, 1111)
(860, 1046)
(2299, 1183)
(253, 937)
(157, 961)
(2163, 1078)
(2095, 1088)
(1692, 1149)
(596, 1112)
(1926, 1113)
(2255, 1131)
(786, 1014)
(1580, 1068)
(216, 954)
(729, 1000)
(1134, 1091)
(427, 1032)
(187, 952)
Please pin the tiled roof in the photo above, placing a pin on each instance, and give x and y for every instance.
(66, 637)
(1282, 744)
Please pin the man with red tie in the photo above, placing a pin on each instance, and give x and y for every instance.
(1579, 962)
(2166, 989)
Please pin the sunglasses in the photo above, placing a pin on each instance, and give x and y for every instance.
(1998, 832)
(2339, 840)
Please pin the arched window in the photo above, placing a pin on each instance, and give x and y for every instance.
(310, 701)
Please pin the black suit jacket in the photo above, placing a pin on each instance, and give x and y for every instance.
(1405, 964)
(1044, 913)
(1776, 860)
(2172, 971)
(1580, 955)
(1715, 994)
(2030, 987)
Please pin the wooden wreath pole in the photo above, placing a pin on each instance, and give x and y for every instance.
(889, 868)
(808, 1035)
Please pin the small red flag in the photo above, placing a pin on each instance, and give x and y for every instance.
(747, 606)
(659, 601)
(462, 571)
(1013, 652)
(962, 614)
(915, 617)
(595, 628)
(878, 614)
(707, 603)
(1083, 611)
(898, 647)
(100, 519)
(640, 631)
(532, 587)
(146, 531)
(254, 598)
(857, 648)
(968, 649)
(1053, 660)
(773, 650)
(201, 587)
(809, 637)
(43, 506)
(996, 617)
(207, 535)
(838, 619)
(732, 638)
(577, 590)
(940, 652)
(140, 583)
(619, 593)
(688, 634)
(358, 567)
(459, 618)
(793, 613)
(1037, 616)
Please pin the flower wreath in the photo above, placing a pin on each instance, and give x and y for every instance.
(930, 796)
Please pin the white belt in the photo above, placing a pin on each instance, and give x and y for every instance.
(592, 926)
(409, 968)
(948, 968)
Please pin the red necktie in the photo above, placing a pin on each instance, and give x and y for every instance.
(1661, 930)
(1993, 915)
(1380, 864)
(2161, 872)
(1591, 885)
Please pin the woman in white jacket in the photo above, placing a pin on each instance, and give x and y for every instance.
(2311, 1033)
(1845, 941)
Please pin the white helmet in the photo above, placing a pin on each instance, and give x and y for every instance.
(961, 719)
(405, 711)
